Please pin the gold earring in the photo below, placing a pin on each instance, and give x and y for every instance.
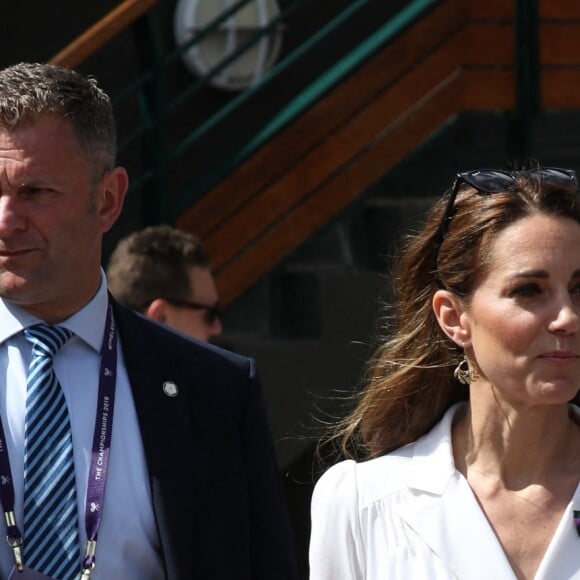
(462, 371)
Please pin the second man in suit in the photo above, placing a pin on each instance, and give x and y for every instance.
(165, 273)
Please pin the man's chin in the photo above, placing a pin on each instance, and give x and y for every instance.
(14, 288)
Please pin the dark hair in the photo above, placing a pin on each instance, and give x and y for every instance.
(32, 90)
(410, 382)
(154, 263)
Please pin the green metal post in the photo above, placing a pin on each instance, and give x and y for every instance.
(151, 101)
(527, 75)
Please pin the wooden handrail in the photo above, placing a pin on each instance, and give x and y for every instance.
(101, 32)
(316, 166)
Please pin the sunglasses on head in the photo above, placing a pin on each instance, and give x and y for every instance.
(211, 311)
(486, 181)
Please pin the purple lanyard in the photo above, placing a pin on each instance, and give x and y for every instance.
(13, 535)
(99, 457)
(101, 441)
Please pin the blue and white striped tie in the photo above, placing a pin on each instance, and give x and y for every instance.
(51, 537)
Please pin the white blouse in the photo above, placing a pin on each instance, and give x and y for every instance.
(411, 515)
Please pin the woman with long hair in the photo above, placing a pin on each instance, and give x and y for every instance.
(463, 450)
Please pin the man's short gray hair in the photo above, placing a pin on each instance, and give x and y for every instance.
(29, 91)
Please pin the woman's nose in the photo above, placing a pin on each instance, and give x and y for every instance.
(567, 319)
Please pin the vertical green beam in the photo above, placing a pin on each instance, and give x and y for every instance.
(527, 77)
(151, 100)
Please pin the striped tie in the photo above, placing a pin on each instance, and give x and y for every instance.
(51, 538)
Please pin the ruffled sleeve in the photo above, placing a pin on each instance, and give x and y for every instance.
(335, 542)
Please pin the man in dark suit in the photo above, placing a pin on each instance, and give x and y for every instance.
(170, 466)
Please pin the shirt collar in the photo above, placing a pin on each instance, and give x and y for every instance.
(88, 323)
(433, 463)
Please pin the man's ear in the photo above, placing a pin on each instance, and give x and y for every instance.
(157, 310)
(451, 317)
(112, 196)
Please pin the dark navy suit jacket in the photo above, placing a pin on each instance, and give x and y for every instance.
(214, 478)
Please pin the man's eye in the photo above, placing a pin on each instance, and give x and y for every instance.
(34, 191)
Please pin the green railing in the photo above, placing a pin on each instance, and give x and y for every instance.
(160, 154)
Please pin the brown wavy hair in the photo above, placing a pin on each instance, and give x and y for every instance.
(409, 379)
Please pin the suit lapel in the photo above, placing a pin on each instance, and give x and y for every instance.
(446, 515)
(166, 432)
(562, 558)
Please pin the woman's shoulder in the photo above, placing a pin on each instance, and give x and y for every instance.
(370, 480)
(378, 478)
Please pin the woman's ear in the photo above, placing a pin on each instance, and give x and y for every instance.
(450, 315)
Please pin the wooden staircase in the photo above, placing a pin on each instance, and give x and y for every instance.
(459, 57)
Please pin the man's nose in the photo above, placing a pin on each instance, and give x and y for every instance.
(216, 327)
(11, 215)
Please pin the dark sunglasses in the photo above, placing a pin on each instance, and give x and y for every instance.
(211, 311)
(496, 181)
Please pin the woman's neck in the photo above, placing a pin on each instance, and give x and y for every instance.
(518, 446)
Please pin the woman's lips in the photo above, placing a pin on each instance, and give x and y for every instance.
(561, 357)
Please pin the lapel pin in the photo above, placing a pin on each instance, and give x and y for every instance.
(170, 389)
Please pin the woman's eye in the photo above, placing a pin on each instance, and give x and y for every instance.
(526, 290)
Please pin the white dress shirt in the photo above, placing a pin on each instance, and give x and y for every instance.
(411, 514)
(128, 544)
